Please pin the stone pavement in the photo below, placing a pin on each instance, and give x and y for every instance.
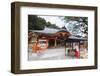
(49, 54)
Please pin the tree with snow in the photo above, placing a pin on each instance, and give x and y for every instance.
(76, 25)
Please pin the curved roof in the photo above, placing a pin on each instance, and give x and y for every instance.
(50, 30)
(75, 39)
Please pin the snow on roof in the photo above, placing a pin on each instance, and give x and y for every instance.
(77, 38)
(49, 30)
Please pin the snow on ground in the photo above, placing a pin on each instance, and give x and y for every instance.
(49, 54)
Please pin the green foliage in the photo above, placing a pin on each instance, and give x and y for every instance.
(38, 23)
(51, 25)
(35, 22)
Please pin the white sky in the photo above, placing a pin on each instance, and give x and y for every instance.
(54, 20)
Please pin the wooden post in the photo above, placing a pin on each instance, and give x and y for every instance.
(65, 49)
(72, 45)
(79, 49)
(55, 42)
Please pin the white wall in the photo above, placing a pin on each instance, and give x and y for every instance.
(5, 33)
